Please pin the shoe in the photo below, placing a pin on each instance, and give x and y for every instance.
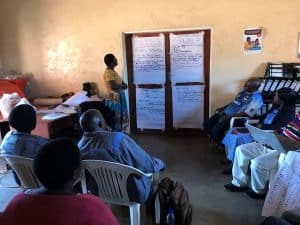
(225, 161)
(227, 171)
(233, 188)
(254, 195)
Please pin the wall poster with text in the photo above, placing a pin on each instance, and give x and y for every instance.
(252, 41)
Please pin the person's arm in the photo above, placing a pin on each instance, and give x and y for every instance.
(114, 86)
(220, 109)
(253, 106)
(283, 117)
(133, 155)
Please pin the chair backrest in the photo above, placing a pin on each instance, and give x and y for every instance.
(24, 169)
(111, 179)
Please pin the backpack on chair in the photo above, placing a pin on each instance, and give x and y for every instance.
(171, 194)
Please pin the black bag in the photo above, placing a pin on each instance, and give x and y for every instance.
(171, 194)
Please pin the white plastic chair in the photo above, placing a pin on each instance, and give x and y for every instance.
(24, 169)
(111, 180)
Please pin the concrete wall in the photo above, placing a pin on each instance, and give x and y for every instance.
(63, 42)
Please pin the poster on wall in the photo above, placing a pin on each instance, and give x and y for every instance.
(149, 65)
(186, 54)
(252, 41)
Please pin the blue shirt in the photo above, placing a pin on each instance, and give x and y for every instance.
(118, 147)
(21, 144)
(248, 103)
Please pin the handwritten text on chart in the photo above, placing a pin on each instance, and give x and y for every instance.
(188, 103)
(187, 57)
(149, 60)
(150, 108)
(285, 189)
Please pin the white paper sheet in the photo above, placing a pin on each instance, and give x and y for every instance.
(150, 108)
(149, 65)
(285, 189)
(187, 57)
(188, 106)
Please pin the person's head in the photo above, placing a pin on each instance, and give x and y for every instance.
(91, 120)
(248, 39)
(57, 164)
(23, 118)
(286, 96)
(110, 60)
(252, 84)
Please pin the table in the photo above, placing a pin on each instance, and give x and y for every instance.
(65, 126)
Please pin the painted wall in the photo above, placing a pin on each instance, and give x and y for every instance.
(63, 42)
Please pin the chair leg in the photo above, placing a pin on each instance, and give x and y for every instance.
(135, 216)
(157, 210)
(83, 182)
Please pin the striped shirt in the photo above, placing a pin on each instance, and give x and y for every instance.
(292, 129)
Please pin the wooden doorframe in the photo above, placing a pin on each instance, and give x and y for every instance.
(127, 61)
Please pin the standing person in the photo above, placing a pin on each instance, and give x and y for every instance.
(57, 165)
(116, 92)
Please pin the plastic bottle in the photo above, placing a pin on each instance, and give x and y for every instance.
(171, 217)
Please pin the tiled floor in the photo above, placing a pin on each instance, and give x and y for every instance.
(192, 161)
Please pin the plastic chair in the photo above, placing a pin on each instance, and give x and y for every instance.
(24, 169)
(111, 180)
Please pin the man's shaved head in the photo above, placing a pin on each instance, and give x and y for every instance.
(91, 120)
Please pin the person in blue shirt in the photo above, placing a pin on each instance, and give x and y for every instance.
(281, 113)
(246, 103)
(99, 144)
(20, 142)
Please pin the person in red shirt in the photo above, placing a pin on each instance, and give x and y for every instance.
(57, 166)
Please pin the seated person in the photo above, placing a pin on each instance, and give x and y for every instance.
(263, 162)
(99, 144)
(246, 103)
(57, 166)
(281, 113)
(20, 142)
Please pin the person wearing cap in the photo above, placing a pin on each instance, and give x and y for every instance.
(20, 141)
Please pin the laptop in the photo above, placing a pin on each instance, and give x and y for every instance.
(273, 140)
